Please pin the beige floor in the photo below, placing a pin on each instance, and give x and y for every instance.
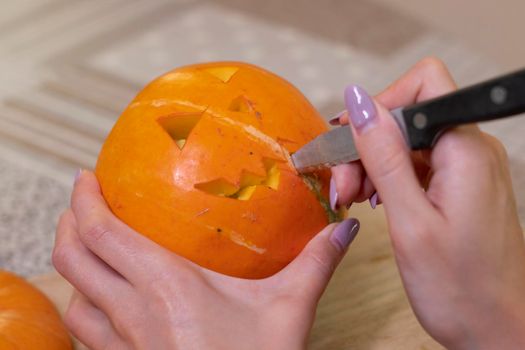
(495, 28)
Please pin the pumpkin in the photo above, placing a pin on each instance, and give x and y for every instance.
(28, 320)
(200, 163)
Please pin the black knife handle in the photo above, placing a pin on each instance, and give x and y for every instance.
(493, 99)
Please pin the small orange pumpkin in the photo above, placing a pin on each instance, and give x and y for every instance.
(200, 163)
(28, 320)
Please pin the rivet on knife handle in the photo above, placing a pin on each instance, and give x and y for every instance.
(492, 99)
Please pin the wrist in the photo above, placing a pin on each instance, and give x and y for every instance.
(500, 327)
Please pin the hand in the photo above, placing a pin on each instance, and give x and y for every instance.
(133, 293)
(458, 245)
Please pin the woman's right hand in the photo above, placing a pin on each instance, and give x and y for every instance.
(458, 244)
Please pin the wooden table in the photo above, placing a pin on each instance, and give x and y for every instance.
(364, 307)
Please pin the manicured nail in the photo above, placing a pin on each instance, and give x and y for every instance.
(333, 194)
(335, 120)
(344, 233)
(77, 175)
(374, 200)
(359, 105)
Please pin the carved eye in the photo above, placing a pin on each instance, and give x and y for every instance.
(222, 73)
(179, 126)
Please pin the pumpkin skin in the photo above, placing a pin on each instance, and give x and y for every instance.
(28, 320)
(199, 163)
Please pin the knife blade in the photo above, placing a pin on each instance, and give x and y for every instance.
(423, 123)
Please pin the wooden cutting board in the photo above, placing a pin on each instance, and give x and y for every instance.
(364, 307)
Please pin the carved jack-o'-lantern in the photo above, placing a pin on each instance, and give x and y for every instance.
(199, 162)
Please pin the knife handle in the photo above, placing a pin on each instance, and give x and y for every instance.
(493, 99)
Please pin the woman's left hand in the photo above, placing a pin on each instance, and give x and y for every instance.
(133, 293)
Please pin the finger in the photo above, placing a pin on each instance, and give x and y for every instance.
(385, 156)
(347, 183)
(132, 255)
(90, 325)
(312, 269)
(83, 269)
(427, 79)
(352, 184)
(367, 190)
(339, 118)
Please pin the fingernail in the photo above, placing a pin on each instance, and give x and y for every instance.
(374, 200)
(335, 120)
(359, 105)
(333, 194)
(77, 175)
(344, 233)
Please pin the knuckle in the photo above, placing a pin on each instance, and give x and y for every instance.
(165, 299)
(433, 64)
(61, 257)
(71, 319)
(487, 156)
(323, 263)
(95, 232)
(128, 323)
(474, 153)
(497, 147)
(390, 163)
(169, 286)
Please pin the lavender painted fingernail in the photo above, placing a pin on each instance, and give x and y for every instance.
(359, 105)
(335, 120)
(77, 175)
(373, 200)
(333, 194)
(344, 233)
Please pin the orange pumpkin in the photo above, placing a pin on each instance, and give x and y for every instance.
(200, 163)
(28, 320)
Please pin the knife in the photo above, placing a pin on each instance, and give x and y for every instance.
(422, 123)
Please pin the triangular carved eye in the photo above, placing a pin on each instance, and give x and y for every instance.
(179, 126)
(244, 105)
(222, 73)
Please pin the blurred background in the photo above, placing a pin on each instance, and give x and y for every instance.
(68, 69)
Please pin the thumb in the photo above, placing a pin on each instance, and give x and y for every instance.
(312, 269)
(384, 155)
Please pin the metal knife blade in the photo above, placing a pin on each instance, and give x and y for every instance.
(329, 149)
(333, 147)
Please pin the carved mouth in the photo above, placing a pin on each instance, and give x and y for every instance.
(248, 183)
